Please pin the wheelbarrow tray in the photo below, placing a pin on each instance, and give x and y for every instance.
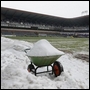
(43, 60)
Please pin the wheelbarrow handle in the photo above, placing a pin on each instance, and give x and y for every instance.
(26, 50)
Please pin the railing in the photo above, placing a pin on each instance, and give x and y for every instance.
(42, 26)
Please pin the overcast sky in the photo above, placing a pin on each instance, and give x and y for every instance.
(66, 9)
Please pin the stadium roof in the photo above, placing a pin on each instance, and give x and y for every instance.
(43, 18)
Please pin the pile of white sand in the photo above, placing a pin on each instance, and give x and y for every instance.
(43, 48)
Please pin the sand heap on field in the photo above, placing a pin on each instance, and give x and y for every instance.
(44, 48)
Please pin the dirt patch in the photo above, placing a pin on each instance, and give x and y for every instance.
(82, 56)
(78, 56)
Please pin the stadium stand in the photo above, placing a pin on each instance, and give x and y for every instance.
(19, 23)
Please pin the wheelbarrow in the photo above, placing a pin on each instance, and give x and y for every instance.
(45, 61)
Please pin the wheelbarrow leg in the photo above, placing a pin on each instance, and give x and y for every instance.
(47, 68)
(35, 70)
(52, 69)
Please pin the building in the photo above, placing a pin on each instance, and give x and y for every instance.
(24, 23)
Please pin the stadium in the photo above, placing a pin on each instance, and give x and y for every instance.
(24, 23)
(29, 36)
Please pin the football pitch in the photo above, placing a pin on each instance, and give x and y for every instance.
(68, 44)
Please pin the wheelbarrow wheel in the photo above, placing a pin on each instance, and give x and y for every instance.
(30, 67)
(57, 68)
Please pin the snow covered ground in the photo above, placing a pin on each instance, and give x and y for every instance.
(14, 74)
